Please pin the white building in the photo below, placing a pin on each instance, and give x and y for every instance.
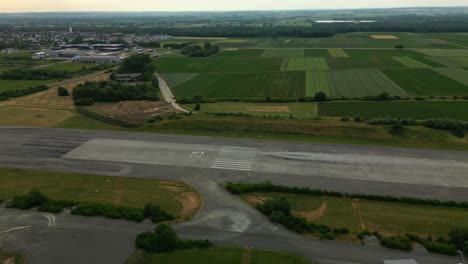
(39, 55)
(97, 58)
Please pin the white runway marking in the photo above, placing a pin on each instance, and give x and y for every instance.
(235, 158)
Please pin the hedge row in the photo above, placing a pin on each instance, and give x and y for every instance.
(238, 188)
(35, 198)
(23, 92)
(107, 119)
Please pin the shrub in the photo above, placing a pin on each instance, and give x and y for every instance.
(320, 97)
(345, 119)
(397, 130)
(197, 107)
(84, 101)
(458, 236)
(382, 121)
(358, 119)
(23, 92)
(156, 214)
(278, 204)
(397, 242)
(61, 91)
(165, 238)
(109, 211)
(32, 199)
(458, 128)
(56, 206)
(146, 241)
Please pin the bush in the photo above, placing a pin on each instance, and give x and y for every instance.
(382, 121)
(397, 130)
(320, 97)
(32, 199)
(61, 91)
(397, 242)
(197, 107)
(110, 91)
(56, 206)
(458, 236)
(109, 211)
(279, 204)
(458, 128)
(156, 214)
(146, 241)
(84, 101)
(165, 238)
(358, 119)
(23, 92)
(345, 119)
(191, 244)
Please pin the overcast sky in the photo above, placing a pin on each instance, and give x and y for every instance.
(195, 5)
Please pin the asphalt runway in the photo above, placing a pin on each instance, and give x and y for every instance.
(207, 163)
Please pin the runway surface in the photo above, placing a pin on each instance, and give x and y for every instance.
(207, 163)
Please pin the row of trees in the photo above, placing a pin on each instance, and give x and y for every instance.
(110, 91)
(197, 51)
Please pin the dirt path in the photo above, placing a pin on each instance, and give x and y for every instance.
(167, 94)
(357, 210)
(313, 215)
(247, 256)
(191, 203)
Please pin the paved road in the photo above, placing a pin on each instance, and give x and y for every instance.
(167, 93)
(206, 163)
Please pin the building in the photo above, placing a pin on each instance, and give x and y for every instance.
(67, 53)
(9, 51)
(129, 77)
(97, 58)
(39, 55)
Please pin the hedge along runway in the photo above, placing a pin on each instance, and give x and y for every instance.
(244, 85)
(304, 64)
(351, 83)
(419, 81)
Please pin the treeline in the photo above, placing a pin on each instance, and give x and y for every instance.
(110, 91)
(35, 74)
(35, 198)
(22, 92)
(197, 51)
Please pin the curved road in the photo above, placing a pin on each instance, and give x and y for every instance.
(206, 163)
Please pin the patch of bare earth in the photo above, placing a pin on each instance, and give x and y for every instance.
(384, 37)
(117, 197)
(191, 203)
(133, 111)
(358, 212)
(247, 256)
(312, 215)
(255, 199)
(269, 109)
(9, 261)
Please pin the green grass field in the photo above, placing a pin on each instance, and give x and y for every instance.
(364, 63)
(7, 85)
(244, 85)
(242, 53)
(338, 53)
(418, 110)
(316, 53)
(387, 218)
(224, 255)
(70, 67)
(304, 64)
(410, 62)
(444, 52)
(130, 192)
(282, 53)
(420, 81)
(360, 83)
(298, 110)
(459, 75)
(174, 79)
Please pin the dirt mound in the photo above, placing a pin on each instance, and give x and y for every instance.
(133, 111)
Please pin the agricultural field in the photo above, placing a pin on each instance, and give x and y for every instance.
(418, 110)
(459, 75)
(419, 81)
(388, 218)
(364, 63)
(7, 85)
(22, 116)
(69, 67)
(304, 64)
(242, 53)
(412, 63)
(225, 255)
(297, 110)
(244, 85)
(338, 53)
(283, 53)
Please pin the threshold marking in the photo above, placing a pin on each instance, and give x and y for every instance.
(235, 158)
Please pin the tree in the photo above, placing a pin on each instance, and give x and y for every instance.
(320, 97)
(207, 45)
(197, 107)
(62, 92)
(458, 236)
(397, 130)
(165, 238)
(138, 63)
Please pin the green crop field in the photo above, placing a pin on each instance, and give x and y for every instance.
(320, 81)
(316, 53)
(224, 255)
(244, 85)
(7, 85)
(364, 63)
(174, 79)
(338, 53)
(444, 52)
(384, 217)
(283, 53)
(71, 67)
(459, 75)
(418, 110)
(419, 81)
(242, 53)
(360, 83)
(299, 110)
(304, 64)
(412, 63)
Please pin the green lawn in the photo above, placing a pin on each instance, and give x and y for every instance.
(387, 218)
(224, 255)
(131, 192)
(419, 81)
(298, 110)
(244, 85)
(418, 110)
(7, 85)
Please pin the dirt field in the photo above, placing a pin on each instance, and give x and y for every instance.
(384, 37)
(132, 111)
(49, 98)
(268, 109)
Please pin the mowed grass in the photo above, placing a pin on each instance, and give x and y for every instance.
(387, 218)
(361, 83)
(459, 75)
(412, 63)
(320, 81)
(304, 64)
(298, 110)
(244, 85)
(130, 192)
(316, 53)
(338, 53)
(224, 255)
(242, 53)
(419, 81)
(37, 117)
(282, 53)
(7, 85)
(216, 64)
(174, 79)
(418, 110)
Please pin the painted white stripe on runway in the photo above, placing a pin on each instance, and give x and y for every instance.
(235, 158)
